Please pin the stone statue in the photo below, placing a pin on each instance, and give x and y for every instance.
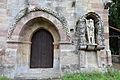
(90, 31)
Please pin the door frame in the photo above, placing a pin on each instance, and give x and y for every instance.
(36, 56)
(23, 66)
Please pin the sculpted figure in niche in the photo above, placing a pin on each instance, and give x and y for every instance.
(90, 31)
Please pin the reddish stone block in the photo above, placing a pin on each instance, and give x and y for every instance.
(12, 45)
(96, 5)
(106, 35)
(3, 1)
(2, 5)
(105, 11)
(105, 23)
(3, 32)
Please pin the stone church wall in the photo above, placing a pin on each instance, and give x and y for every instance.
(64, 14)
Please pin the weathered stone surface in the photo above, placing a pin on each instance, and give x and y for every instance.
(65, 20)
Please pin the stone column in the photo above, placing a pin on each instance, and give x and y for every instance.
(82, 59)
(99, 59)
(109, 59)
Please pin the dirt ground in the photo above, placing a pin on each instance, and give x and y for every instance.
(116, 65)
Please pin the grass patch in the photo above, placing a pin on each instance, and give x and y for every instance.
(3, 78)
(110, 75)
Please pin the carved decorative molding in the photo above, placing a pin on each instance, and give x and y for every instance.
(81, 31)
(30, 9)
(107, 3)
(19, 42)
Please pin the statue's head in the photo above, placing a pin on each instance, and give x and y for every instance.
(90, 20)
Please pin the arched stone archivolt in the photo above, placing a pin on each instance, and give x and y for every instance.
(81, 31)
(36, 11)
(38, 23)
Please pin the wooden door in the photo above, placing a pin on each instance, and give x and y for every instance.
(41, 50)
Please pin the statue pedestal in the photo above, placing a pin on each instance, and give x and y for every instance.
(91, 46)
(89, 57)
(88, 47)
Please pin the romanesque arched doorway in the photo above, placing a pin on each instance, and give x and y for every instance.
(41, 50)
(22, 34)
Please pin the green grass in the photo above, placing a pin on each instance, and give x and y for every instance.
(110, 75)
(3, 78)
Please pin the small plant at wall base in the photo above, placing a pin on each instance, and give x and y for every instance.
(110, 75)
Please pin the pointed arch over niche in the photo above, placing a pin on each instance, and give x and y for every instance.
(83, 33)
